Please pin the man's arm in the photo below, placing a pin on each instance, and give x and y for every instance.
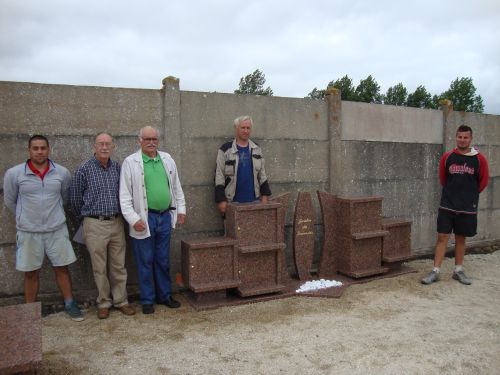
(220, 178)
(77, 188)
(442, 168)
(126, 199)
(484, 173)
(65, 185)
(263, 183)
(10, 190)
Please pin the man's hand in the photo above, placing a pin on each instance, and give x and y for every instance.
(264, 199)
(221, 206)
(181, 219)
(140, 226)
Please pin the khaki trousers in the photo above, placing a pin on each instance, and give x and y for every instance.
(105, 241)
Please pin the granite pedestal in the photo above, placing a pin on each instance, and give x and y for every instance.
(210, 266)
(20, 338)
(396, 246)
(359, 236)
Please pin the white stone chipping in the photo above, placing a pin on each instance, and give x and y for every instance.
(309, 286)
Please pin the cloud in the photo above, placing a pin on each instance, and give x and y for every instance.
(211, 45)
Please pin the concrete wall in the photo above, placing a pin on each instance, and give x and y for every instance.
(342, 147)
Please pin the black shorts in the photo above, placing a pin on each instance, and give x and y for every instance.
(462, 224)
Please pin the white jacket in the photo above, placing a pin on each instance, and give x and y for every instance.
(133, 200)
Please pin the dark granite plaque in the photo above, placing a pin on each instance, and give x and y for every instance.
(327, 267)
(303, 235)
(20, 338)
(254, 223)
(210, 264)
(260, 269)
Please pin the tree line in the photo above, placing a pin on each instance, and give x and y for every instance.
(462, 92)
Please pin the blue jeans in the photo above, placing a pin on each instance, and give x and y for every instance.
(152, 259)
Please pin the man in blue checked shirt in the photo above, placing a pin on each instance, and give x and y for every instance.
(94, 196)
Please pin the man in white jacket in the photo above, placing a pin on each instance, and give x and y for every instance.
(152, 202)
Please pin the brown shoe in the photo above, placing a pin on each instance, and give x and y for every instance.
(103, 313)
(127, 310)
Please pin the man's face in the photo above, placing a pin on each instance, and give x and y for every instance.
(464, 139)
(243, 130)
(149, 142)
(38, 151)
(103, 147)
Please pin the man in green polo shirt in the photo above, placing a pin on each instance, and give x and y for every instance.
(152, 202)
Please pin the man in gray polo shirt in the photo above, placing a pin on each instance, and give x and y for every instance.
(36, 191)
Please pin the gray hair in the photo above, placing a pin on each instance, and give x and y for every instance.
(101, 133)
(240, 119)
(148, 127)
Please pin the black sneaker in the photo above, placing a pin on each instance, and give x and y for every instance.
(171, 302)
(148, 309)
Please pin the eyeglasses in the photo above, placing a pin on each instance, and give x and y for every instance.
(104, 144)
(150, 139)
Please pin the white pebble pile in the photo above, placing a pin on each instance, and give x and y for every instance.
(318, 284)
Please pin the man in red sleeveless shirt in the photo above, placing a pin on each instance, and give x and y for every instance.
(463, 173)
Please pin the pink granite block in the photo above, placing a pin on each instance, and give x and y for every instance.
(397, 244)
(260, 269)
(359, 214)
(20, 338)
(210, 264)
(254, 223)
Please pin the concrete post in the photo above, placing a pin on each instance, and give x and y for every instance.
(171, 119)
(334, 102)
(448, 140)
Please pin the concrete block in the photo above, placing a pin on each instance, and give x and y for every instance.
(7, 224)
(386, 123)
(202, 214)
(31, 108)
(296, 160)
(212, 114)
(12, 281)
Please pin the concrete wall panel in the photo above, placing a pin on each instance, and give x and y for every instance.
(212, 114)
(386, 123)
(31, 108)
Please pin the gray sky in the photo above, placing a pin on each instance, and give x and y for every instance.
(210, 45)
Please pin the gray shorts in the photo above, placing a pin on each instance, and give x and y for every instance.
(32, 247)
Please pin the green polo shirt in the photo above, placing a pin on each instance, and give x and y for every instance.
(156, 181)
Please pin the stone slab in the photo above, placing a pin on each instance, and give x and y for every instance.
(20, 338)
(303, 235)
(234, 299)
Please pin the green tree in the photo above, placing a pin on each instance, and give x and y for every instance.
(462, 94)
(316, 94)
(420, 98)
(396, 95)
(254, 84)
(368, 91)
(344, 84)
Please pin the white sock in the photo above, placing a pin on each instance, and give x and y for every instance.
(437, 269)
(458, 268)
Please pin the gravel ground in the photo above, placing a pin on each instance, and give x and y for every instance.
(389, 326)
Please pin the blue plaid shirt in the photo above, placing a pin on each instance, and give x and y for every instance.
(95, 189)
